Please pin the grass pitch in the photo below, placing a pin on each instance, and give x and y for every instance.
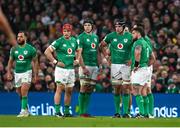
(51, 121)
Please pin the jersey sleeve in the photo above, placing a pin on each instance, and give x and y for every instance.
(12, 52)
(55, 44)
(97, 40)
(77, 43)
(34, 52)
(107, 39)
(80, 42)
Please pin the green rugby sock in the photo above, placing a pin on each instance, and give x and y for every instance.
(81, 100)
(126, 98)
(151, 104)
(66, 109)
(140, 104)
(117, 103)
(24, 102)
(86, 104)
(146, 105)
(57, 108)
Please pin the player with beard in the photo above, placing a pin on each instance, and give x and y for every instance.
(90, 59)
(146, 91)
(119, 44)
(26, 67)
(140, 72)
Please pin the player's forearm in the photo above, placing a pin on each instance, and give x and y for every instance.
(10, 65)
(81, 62)
(103, 48)
(152, 59)
(49, 55)
(99, 57)
(36, 66)
(78, 57)
(137, 57)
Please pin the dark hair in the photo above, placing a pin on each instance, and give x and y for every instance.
(88, 20)
(140, 30)
(25, 34)
(120, 22)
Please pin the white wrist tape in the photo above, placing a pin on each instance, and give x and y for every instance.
(55, 62)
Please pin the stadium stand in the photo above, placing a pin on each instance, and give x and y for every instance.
(42, 20)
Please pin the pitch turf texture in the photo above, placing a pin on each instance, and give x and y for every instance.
(51, 121)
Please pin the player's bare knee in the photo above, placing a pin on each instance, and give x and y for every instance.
(126, 90)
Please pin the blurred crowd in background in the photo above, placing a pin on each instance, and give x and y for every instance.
(42, 21)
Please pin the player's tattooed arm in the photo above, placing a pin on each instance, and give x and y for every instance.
(137, 52)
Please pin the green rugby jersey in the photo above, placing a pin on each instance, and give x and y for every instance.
(65, 50)
(23, 55)
(147, 39)
(145, 53)
(89, 43)
(120, 47)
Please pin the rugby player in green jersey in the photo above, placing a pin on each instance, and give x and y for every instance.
(146, 91)
(65, 48)
(119, 43)
(26, 66)
(140, 61)
(90, 59)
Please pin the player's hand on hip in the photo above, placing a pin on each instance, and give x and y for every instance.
(9, 76)
(86, 71)
(136, 68)
(60, 64)
(128, 63)
(35, 79)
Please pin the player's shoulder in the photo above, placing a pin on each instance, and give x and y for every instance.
(81, 35)
(127, 34)
(112, 33)
(139, 41)
(95, 35)
(30, 46)
(73, 38)
(14, 48)
(59, 39)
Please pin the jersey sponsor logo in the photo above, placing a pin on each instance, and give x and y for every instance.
(16, 52)
(115, 40)
(125, 40)
(69, 51)
(93, 45)
(120, 46)
(25, 52)
(21, 57)
(64, 45)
